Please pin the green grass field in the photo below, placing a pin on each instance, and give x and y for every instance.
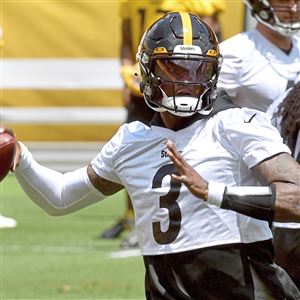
(48, 257)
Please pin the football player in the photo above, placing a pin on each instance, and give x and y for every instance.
(262, 63)
(259, 66)
(201, 236)
(136, 17)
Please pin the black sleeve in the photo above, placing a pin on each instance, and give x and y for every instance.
(259, 206)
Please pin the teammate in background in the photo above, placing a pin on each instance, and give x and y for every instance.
(262, 63)
(5, 222)
(136, 17)
(259, 66)
(285, 114)
(193, 246)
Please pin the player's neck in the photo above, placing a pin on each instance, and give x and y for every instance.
(172, 122)
(280, 41)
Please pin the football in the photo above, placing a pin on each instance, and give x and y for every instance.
(7, 151)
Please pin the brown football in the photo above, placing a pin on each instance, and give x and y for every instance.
(7, 151)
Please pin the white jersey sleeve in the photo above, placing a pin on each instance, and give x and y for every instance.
(250, 135)
(103, 163)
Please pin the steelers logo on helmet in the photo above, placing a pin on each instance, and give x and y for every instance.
(283, 17)
(180, 63)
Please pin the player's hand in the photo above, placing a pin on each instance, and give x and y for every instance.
(17, 157)
(132, 78)
(187, 174)
(17, 151)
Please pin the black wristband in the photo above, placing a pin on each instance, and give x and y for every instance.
(255, 202)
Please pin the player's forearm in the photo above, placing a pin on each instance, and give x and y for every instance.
(287, 204)
(279, 202)
(54, 192)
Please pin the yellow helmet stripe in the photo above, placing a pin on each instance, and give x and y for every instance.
(187, 28)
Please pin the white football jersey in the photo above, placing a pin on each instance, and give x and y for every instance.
(222, 148)
(255, 72)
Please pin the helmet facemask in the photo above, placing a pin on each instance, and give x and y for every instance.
(180, 62)
(268, 14)
(292, 25)
(180, 84)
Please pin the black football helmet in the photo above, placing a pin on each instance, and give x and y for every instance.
(180, 62)
(266, 12)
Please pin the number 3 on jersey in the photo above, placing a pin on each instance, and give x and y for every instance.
(167, 201)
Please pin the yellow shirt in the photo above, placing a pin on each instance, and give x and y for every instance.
(201, 8)
(141, 15)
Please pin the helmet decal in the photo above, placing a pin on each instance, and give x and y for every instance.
(186, 28)
(160, 50)
(212, 52)
(187, 49)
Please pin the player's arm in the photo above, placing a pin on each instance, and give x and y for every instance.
(129, 68)
(283, 172)
(126, 44)
(58, 193)
(279, 200)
